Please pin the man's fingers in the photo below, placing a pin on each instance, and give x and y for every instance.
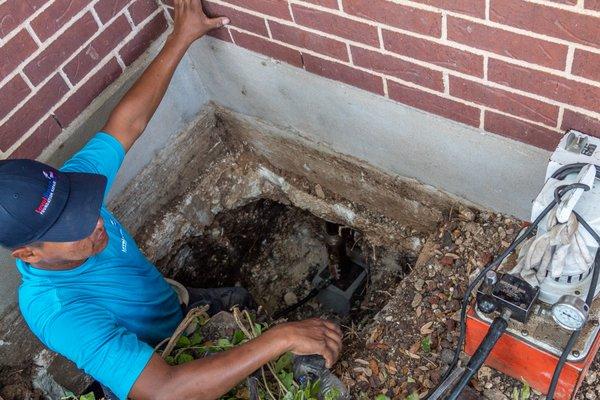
(218, 22)
(335, 339)
(332, 326)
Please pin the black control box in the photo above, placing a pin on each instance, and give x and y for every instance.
(507, 292)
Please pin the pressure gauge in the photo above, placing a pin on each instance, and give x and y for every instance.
(570, 312)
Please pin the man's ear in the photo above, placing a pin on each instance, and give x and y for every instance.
(27, 254)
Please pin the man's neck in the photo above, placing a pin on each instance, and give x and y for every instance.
(59, 265)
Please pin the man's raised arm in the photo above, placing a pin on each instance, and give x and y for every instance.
(129, 118)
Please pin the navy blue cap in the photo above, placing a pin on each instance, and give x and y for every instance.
(38, 203)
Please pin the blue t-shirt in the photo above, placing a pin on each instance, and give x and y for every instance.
(106, 313)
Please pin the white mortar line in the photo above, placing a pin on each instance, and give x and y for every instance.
(561, 114)
(340, 5)
(96, 17)
(446, 81)
(128, 16)
(431, 66)
(26, 79)
(486, 62)
(83, 81)
(291, 12)
(268, 30)
(66, 79)
(64, 62)
(566, 7)
(482, 112)
(487, 10)
(386, 92)
(119, 60)
(349, 55)
(570, 57)
(34, 35)
(444, 26)
(380, 36)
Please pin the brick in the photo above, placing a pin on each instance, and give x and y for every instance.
(15, 51)
(41, 138)
(586, 64)
(336, 25)
(571, 26)
(276, 8)
(142, 9)
(398, 68)
(580, 122)
(222, 34)
(140, 42)
(324, 3)
(503, 100)
(107, 9)
(397, 15)
(92, 88)
(343, 73)
(520, 130)
(238, 19)
(32, 111)
(592, 4)
(435, 53)
(509, 44)
(308, 40)
(56, 16)
(13, 92)
(60, 49)
(475, 8)
(268, 48)
(434, 104)
(544, 84)
(99, 48)
(14, 12)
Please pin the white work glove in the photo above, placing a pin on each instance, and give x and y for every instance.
(550, 251)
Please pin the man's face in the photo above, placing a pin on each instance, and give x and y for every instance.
(50, 254)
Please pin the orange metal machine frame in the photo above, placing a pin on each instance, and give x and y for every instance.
(528, 363)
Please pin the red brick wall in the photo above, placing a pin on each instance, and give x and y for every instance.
(56, 56)
(525, 69)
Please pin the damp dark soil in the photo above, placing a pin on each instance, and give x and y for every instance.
(275, 250)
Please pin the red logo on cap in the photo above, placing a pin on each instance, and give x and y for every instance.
(48, 193)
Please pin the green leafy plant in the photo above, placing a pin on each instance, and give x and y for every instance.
(275, 381)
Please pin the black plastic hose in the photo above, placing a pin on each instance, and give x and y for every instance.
(485, 347)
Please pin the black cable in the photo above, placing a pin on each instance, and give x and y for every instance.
(559, 192)
(485, 347)
(304, 300)
(588, 300)
(493, 264)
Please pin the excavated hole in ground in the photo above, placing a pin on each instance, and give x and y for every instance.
(274, 250)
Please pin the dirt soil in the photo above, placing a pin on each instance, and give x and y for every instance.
(401, 332)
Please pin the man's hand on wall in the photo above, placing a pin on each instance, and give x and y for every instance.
(191, 23)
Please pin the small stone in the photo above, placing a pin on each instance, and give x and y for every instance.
(494, 394)
(447, 356)
(319, 191)
(290, 298)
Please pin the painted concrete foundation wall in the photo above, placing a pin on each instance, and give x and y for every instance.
(524, 69)
(486, 169)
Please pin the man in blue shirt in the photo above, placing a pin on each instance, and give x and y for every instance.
(88, 292)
